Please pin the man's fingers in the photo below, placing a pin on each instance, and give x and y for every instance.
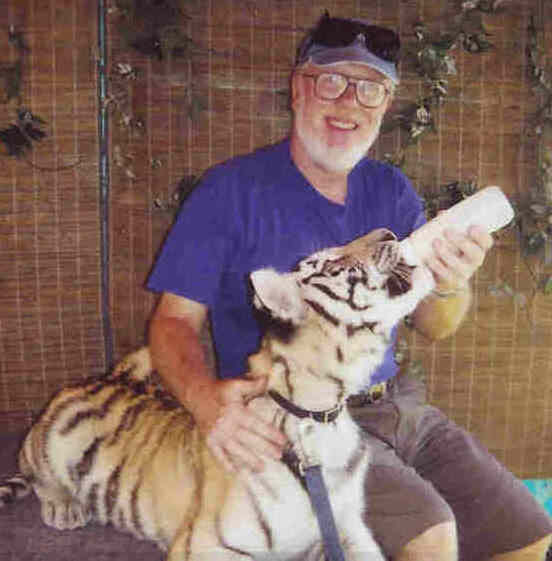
(240, 448)
(243, 390)
(481, 236)
(263, 443)
(456, 257)
(446, 265)
(241, 455)
(472, 249)
(239, 437)
(263, 431)
(235, 415)
(238, 423)
(255, 387)
(220, 455)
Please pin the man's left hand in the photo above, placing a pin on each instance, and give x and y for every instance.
(456, 257)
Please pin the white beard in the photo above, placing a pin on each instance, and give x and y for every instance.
(336, 159)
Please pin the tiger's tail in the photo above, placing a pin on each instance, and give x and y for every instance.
(14, 489)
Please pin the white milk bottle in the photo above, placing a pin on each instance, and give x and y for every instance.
(488, 208)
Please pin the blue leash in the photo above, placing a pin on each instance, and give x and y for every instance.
(321, 503)
(308, 468)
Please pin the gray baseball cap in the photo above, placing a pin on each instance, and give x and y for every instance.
(337, 40)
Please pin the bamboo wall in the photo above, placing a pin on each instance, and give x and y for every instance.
(179, 116)
(50, 328)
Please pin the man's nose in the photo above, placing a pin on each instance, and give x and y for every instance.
(349, 95)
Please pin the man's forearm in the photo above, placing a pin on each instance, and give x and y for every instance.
(179, 357)
(441, 314)
(233, 433)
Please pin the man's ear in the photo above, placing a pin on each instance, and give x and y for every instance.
(279, 294)
(293, 88)
(390, 99)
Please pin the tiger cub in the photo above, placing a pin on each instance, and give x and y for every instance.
(110, 452)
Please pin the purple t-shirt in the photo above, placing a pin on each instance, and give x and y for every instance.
(259, 211)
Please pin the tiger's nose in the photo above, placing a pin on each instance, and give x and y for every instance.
(385, 256)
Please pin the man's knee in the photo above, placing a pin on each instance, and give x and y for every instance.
(438, 543)
(534, 552)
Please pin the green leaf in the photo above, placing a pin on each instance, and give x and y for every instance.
(445, 42)
(548, 286)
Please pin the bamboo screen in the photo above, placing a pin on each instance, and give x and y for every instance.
(50, 329)
(172, 118)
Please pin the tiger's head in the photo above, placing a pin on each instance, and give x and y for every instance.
(365, 284)
(346, 299)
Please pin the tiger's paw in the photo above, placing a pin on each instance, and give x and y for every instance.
(64, 515)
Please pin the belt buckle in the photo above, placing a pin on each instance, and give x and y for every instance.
(370, 395)
(376, 392)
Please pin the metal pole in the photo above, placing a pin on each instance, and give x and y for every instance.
(104, 185)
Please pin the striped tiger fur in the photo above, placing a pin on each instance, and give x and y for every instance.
(115, 451)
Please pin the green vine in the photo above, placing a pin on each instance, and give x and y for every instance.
(11, 75)
(446, 196)
(433, 59)
(154, 28)
(434, 62)
(535, 214)
(19, 136)
(185, 186)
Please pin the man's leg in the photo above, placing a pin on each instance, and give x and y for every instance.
(494, 511)
(439, 543)
(534, 552)
(408, 518)
(437, 473)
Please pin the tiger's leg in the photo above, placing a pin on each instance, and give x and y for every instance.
(359, 544)
(200, 543)
(59, 508)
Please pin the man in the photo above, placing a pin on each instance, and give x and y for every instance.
(431, 485)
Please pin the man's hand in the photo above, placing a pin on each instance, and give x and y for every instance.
(234, 434)
(456, 257)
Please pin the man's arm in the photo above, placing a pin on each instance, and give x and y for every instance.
(454, 261)
(234, 434)
(439, 316)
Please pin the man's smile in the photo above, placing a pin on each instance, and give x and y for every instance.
(341, 124)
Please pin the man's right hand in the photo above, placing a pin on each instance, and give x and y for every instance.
(235, 435)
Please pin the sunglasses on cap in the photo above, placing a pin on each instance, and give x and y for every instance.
(338, 32)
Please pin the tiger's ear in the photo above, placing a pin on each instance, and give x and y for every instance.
(278, 294)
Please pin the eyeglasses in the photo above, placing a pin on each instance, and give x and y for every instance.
(338, 32)
(331, 86)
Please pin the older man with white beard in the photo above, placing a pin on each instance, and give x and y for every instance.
(431, 485)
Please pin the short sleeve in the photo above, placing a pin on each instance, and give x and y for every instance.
(410, 213)
(200, 244)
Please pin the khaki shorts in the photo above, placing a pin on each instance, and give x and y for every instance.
(426, 470)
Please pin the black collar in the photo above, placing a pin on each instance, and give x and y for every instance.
(327, 416)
